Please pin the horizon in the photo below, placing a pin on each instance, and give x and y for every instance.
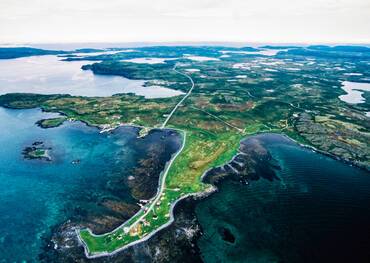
(78, 45)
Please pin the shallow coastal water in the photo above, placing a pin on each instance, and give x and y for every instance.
(36, 195)
(50, 75)
(317, 210)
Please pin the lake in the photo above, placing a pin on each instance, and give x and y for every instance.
(354, 92)
(148, 60)
(50, 75)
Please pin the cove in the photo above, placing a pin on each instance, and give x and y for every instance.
(314, 209)
(37, 195)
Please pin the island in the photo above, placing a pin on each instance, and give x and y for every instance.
(37, 151)
(51, 123)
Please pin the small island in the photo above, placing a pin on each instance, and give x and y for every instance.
(51, 123)
(37, 151)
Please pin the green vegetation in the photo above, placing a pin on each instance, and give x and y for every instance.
(38, 153)
(105, 112)
(235, 96)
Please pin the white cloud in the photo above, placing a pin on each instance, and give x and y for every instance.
(184, 20)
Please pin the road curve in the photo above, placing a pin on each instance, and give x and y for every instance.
(161, 182)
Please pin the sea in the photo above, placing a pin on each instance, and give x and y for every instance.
(316, 209)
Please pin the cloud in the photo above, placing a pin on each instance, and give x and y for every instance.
(185, 20)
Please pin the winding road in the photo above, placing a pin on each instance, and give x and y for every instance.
(161, 186)
(163, 177)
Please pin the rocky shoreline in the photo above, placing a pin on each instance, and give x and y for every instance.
(177, 241)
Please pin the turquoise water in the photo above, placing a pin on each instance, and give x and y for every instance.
(317, 211)
(35, 195)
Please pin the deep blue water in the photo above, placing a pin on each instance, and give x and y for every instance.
(36, 195)
(319, 211)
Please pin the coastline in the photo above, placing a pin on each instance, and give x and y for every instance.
(196, 195)
(335, 157)
(99, 127)
(313, 148)
(153, 200)
(206, 193)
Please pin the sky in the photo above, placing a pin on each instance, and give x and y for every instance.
(260, 21)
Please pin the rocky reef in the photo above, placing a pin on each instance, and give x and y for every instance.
(37, 151)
